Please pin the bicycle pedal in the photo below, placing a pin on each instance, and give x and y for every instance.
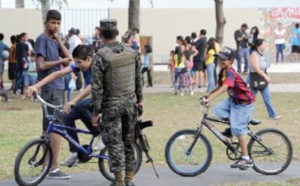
(74, 164)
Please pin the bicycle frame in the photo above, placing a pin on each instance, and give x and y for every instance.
(58, 129)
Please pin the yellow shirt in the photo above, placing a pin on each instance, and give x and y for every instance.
(211, 57)
(177, 64)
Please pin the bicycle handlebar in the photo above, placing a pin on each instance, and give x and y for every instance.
(203, 104)
(45, 105)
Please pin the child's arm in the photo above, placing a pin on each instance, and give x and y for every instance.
(216, 92)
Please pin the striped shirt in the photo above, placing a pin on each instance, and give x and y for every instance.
(238, 89)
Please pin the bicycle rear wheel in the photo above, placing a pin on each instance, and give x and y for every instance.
(277, 154)
(33, 163)
(104, 166)
(185, 162)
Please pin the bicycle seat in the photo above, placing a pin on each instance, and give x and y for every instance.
(254, 122)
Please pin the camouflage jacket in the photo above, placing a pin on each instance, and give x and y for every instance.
(99, 67)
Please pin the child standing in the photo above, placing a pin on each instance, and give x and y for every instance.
(148, 64)
(238, 107)
(171, 66)
(31, 75)
(184, 81)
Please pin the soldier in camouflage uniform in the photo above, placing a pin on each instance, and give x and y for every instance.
(117, 93)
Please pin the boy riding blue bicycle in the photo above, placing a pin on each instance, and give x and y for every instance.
(81, 108)
(238, 107)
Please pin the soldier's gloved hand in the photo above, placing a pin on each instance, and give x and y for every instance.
(96, 120)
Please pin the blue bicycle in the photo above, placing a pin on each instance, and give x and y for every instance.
(34, 160)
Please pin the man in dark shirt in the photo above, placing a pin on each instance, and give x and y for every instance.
(199, 65)
(241, 38)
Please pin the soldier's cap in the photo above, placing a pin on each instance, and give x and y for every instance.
(108, 24)
(226, 53)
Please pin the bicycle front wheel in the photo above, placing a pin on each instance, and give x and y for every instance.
(273, 155)
(104, 166)
(33, 163)
(185, 160)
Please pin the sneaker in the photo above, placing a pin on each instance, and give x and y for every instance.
(181, 94)
(227, 133)
(70, 161)
(242, 164)
(192, 93)
(58, 175)
(99, 145)
(277, 117)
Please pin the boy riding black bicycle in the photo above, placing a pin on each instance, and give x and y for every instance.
(238, 107)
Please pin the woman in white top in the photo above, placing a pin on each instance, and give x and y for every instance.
(259, 65)
(279, 42)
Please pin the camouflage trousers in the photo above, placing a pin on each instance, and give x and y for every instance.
(118, 134)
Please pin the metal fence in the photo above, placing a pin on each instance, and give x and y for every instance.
(83, 19)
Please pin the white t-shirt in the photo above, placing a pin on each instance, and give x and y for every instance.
(73, 41)
(29, 46)
(280, 33)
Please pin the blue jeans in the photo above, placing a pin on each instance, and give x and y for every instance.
(243, 53)
(83, 111)
(176, 76)
(266, 97)
(210, 75)
(279, 50)
(20, 77)
(67, 78)
(239, 115)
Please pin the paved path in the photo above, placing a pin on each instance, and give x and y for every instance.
(217, 173)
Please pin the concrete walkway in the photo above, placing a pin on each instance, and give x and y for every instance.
(217, 173)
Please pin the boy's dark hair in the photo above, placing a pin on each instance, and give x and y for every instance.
(194, 35)
(297, 25)
(53, 14)
(172, 51)
(1, 36)
(184, 70)
(109, 34)
(82, 52)
(188, 39)
(77, 31)
(148, 49)
(203, 32)
(136, 29)
(13, 39)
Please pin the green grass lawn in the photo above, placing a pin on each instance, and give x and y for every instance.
(21, 122)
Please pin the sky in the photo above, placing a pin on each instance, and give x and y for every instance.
(104, 4)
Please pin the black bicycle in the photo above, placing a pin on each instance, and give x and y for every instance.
(189, 153)
(33, 162)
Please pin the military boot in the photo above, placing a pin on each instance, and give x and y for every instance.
(119, 179)
(129, 178)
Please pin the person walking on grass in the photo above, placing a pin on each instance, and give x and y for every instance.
(48, 61)
(259, 65)
(238, 107)
(148, 64)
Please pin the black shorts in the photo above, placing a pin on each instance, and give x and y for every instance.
(295, 49)
(199, 66)
(12, 70)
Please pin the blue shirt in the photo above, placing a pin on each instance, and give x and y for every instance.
(296, 38)
(2, 47)
(147, 60)
(49, 49)
(86, 74)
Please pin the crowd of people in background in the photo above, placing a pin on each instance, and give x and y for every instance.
(195, 54)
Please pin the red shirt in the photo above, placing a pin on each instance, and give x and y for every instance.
(238, 89)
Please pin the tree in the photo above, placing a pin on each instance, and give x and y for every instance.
(221, 21)
(20, 4)
(134, 14)
(45, 5)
